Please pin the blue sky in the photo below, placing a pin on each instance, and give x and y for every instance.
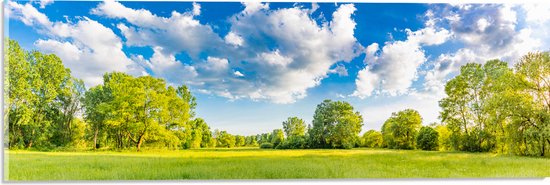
(252, 65)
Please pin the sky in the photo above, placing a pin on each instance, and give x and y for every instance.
(252, 65)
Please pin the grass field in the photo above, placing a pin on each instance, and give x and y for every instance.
(267, 164)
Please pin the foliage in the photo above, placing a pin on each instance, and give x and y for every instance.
(400, 129)
(39, 88)
(335, 125)
(266, 145)
(277, 137)
(226, 140)
(494, 108)
(427, 139)
(294, 126)
(293, 142)
(372, 139)
(443, 141)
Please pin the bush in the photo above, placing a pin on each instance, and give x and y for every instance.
(293, 142)
(266, 145)
(427, 139)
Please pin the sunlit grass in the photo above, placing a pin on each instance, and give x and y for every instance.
(252, 163)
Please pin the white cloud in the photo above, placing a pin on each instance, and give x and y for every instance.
(196, 9)
(88, 48)
(166, 66)
(233, 39)
(393, 69)
(283, 52)
(340, 70)
(44, 3)
(487, 32)
(238, 73)
(177, 33)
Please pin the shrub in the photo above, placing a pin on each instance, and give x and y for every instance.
(427, 139)
(266, 145)
(293, 142)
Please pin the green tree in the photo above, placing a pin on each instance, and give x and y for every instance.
(36, 83)
(530, 108)
(400, 129)
(294, 126)
(226, 140)
(239, 141)
(335, 125)
(277, 137)
(444, 134)
(463, 110)
(427, 139)
(372, 139)
(95, 107)
(70, 103)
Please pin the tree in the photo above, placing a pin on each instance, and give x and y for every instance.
(531, 113)
(239, 141)
(277, 137)
(143, 108)
(94, 111)
(226, 140)
(444, 135)
(294, 126)
(372, 139)
(36, 83)
(335, 125)
(70, 100)
(195, 133)
(463, 109)
(400, 129)
(427, 139)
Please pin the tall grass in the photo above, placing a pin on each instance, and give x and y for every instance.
(268, 164)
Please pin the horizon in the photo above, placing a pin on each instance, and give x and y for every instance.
(248, 68)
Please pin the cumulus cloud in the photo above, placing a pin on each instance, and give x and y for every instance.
(282, 52)
(44, 3)
(87, 47)
(392, 69)
(233, 39)
(487, 32)
(196, 9)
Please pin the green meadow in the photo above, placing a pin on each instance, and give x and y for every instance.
(253, 163)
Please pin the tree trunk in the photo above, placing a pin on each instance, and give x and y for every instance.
(140, 140)
(543, 145)
(29, 144)
(95, 138)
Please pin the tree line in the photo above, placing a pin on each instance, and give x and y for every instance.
(47, 108)
(488, 108)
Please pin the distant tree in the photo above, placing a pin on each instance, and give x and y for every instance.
(199, 133)
(277, 137)
(226, 140)
(400, 129)
(239, 141)
(335, 125)
(266, 145)
(372, 139)
(294, 126)
(427, 139)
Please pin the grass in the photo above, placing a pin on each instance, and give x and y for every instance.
(254, 163)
